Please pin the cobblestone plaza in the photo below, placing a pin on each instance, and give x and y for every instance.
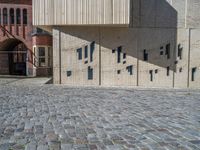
(37, 116)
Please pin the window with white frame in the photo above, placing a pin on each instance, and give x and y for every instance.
(42, 56)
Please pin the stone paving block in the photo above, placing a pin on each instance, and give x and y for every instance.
(66, 146)
(31, 146)
(61, 117)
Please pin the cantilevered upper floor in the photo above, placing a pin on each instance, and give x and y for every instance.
(125, 13)
(81, 12)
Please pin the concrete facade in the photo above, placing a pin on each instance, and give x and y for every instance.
(158, 46)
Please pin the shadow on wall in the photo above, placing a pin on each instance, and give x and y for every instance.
(151, 37)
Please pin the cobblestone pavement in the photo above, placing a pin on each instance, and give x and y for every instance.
(42, 117)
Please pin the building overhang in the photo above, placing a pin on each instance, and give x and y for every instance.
(81, 13)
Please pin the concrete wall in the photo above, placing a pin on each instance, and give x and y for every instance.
(108, 71)
(153, 25)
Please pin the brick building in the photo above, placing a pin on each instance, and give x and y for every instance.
(24, 49)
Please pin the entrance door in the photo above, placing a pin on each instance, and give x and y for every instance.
(16, 52)
(17, 63)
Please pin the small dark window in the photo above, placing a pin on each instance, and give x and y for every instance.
(92, 48)
(86, 62)
(124, 62)
(167, 52)
(69, 73)
(180, 50)
(79, 51)
(156, 71)
(118, 71)
(151, 75)
(124, 55)
(119, 50)
(86, 51)
(12, 17)
(18, 16)
(161, 50)
(145, 55)
(5, 16)
(113, 51)
(130, 69)
(25, 16)
(193, 73)
(180, 69)
(168, 69)
(90, 73)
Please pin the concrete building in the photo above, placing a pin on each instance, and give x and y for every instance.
(147, 43)
(24, 49)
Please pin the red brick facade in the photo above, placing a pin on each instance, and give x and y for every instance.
(42, 40)
(16, 27)
(27, 2)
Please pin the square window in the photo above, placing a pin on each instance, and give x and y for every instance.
(118, 71)
(69, 73)
(130, 69)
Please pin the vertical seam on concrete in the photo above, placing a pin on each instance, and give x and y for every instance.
(137, 61)
(59, 56)
(112, 9)
(140, 13)
(99, 56)
(186, 11)
(174, 58)
(189, 43)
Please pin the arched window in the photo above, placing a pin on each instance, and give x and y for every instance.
(24, 16)
(18, 16)
(5, 16)
(12, 19)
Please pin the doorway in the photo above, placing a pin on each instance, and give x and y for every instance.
(16, 52)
